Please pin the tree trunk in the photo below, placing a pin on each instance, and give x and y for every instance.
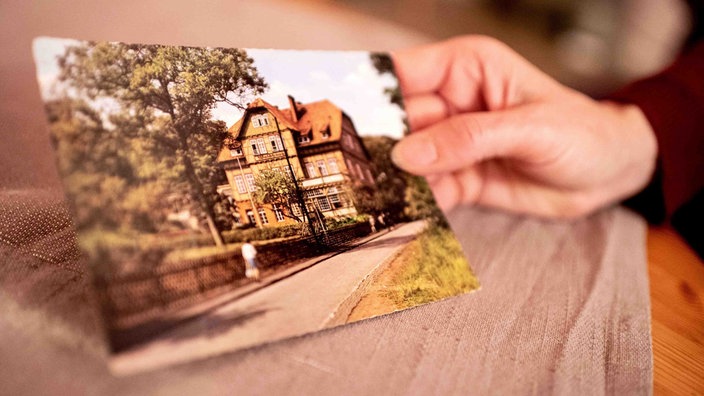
(203, 201)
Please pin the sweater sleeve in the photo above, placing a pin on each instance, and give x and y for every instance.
(673, 103)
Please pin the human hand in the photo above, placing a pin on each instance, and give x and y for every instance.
(491, 129)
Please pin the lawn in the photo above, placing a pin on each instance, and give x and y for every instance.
(435, 268)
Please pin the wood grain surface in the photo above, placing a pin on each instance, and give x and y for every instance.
(677, 301)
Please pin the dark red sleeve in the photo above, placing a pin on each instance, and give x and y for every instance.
(673, 102)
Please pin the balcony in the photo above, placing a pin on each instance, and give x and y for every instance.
(318, 181)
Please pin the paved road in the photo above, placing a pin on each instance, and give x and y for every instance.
(302, 303)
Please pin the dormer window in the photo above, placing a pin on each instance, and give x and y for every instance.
(260, 120)
(326, 133)
(236, 152)
(304, 139)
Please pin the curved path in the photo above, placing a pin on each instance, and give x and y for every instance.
(302, 303)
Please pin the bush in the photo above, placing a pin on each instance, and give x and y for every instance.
(333, 223)
(259, 234)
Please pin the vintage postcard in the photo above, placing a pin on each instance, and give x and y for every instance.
(226, 198)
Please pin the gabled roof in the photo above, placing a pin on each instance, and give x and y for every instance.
(313, 120)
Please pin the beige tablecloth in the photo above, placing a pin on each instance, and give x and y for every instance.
(564, 307)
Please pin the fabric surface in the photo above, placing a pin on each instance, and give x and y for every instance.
(563, 308)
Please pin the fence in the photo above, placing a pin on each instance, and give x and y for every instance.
(133, 299)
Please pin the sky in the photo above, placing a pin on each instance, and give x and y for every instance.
(346, 78)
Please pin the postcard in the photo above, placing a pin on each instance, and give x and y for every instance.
(227, 198)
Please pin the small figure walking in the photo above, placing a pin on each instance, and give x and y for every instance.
(382, 223)
(372, 223)
(249, 253)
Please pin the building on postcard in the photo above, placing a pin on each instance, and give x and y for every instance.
(315, 144)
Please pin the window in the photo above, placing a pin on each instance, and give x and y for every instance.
(258, 146)
(313, 193)
(310, 168)
(322, 169)
(279, 213)
(235, 152)
(240, 184)
(323, 204)
(359, 171)
(250, 216)
(350, 168)
(261, 145)
(326, 133)
(332, 166)
(249, 178)
(334, 197)
(262, 216)
(304, 139)
(276, 144)
(260, 120)
(296, 210)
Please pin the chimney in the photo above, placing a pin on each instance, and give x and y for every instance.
(294, 108)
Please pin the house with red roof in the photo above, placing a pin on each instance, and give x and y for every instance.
(315, 144)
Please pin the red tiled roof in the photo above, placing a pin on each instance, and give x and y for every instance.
(314, 119)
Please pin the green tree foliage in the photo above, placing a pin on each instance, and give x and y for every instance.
(276, 187)
(396, 193)
(420, 203)
(162, 98)
(384, 64)
(388, 193)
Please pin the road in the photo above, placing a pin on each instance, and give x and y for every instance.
(302, 303)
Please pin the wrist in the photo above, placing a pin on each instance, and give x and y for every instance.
(639, 145)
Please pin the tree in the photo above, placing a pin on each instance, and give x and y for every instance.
(275, 187)
(165, 95)
(388, 195)
(384, 65)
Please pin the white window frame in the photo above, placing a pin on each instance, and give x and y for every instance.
(279, 214)
(239, 182)
(276, 143)
(249, 179)
(262, 216)
(262, 146)
(322, 169)
(302, 139)
(260, 120)
(332, 166)
(236, 152)
(250, 216)
(323, 203)
(310, 168)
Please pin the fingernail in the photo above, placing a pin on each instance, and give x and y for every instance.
(414, 151)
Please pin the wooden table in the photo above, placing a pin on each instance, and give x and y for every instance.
(677, 298)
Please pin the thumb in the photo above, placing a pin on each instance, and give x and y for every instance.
(464, 140)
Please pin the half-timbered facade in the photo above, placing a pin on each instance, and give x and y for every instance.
(316, 144)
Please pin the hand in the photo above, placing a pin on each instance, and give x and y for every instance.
(491, 129)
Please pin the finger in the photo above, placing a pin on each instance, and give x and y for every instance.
(422, 70)
(425, 110)
(467, 139)
(452, 189)
(471, 73)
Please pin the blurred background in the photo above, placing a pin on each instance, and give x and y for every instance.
(592, 45)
